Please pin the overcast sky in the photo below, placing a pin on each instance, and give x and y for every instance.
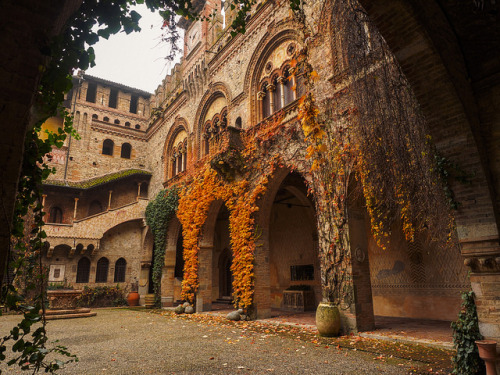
(136, 59)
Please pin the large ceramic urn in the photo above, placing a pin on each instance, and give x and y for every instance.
(328, 319)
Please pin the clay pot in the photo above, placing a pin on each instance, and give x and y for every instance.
(328, 319)
(488, 353)
(149, 301)
(133, 299)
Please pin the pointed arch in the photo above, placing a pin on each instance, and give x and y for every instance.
(215, 91)
(277, 35)
(170, 147)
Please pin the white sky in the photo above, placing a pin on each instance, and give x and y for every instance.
(137, 59)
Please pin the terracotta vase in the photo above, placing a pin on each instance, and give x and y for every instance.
(328, 319)
(133, 299)
(488, 353)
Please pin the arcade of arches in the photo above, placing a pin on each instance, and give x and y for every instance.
(454, 72)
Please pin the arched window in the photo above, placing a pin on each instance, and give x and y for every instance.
(238, 124)
(184, 160)
(55, 215)
(117, 122)
(107, 147)
(95, 207)
(179, 158)
(280, 85)
(95, 117)
(277, 99)
(206, 139)
(101, 273)
(120, 268)
(289, 93)
(106, 119)
(179, 161)
(174, 163)
(213, 128)
(83, 270)
(126, 150)
(265, 98)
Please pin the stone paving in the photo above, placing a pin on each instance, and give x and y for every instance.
(422, 331)
(123, 341)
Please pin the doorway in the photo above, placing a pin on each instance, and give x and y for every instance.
(225, 275)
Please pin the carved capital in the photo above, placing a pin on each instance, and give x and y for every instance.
(261, 95)
(485, 263)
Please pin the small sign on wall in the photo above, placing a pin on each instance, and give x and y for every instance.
(56, 272)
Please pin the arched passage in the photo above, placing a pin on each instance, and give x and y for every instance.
(286, 255)
(449, 55)
(222, 259)
(174, 264)
(225, 275)
(293, 247)
(210, 240)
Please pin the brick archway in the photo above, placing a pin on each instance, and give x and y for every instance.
(204, 295)
(170, 287)
(450, 56)
(268, 294)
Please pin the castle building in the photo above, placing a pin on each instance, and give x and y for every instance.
(134, 144)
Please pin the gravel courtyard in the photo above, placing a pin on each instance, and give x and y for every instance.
(122, 341)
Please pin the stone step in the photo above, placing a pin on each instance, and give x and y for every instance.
(66, 311)
(227, 300)
(71, 316)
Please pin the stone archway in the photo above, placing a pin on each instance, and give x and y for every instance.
(449, 55)
(286, 254)
(172, 272)
(207, 292)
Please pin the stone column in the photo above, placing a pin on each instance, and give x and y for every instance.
(138, 190)
(294, 86)
(167, 286)
(184, 159)
(204, 294)
(76, 206)
(260, 102)
(174, 164)
(167, 278)
(109, 200)
(262, 295)
(270, 89)
(281, 80)
(361, 309)
(485, 283)
(179, 162)
(43, 199)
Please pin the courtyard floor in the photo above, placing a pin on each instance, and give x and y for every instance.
(125, 341)
(428, 332)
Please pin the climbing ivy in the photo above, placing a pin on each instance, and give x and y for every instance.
(159, 212)
(465, 332)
